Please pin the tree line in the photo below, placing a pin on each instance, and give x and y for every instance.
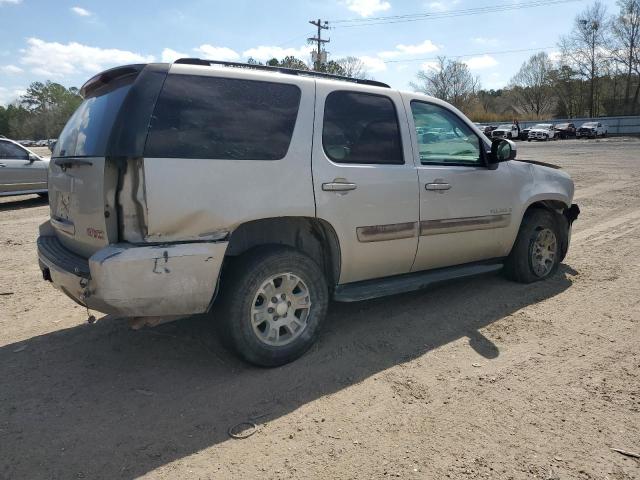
(40, 113)
(597, 74)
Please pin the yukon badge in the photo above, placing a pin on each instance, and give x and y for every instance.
(94, 233)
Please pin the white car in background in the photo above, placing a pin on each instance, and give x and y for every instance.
(22, 172)
(592, 130)
(506, 130)
(542, 131)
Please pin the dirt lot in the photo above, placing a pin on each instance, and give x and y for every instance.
(477, 379)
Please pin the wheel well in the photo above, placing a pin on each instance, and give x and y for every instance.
(314, 237)
(557, 208)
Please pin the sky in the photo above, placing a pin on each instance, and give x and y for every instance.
(70, 41)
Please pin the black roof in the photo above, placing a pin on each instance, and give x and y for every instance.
(288, 71)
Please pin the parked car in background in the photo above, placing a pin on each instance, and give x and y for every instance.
(488, 129)
(334, 195)
(565, 130)
(52, 143)
(592, 130)
(22, 172)
(541, 131)
(524, 133)
(506, 130)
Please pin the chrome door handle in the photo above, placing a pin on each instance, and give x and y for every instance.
(338, 186)
(3, 164)
(437, 186)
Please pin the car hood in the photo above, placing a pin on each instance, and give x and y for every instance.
(543, 130)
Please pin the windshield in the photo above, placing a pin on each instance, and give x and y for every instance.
(87, 131)
(589, 124)
(543, 126)
(505, 127)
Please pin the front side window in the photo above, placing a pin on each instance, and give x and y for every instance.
(446, 138)
(222, 118)
(10, 151)
(361, 128)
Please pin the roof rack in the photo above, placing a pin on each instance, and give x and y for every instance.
(287, 71)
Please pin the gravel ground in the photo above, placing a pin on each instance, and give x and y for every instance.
(476, 379)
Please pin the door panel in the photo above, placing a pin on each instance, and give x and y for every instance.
(465, 207)
(469, 221)
(373, 207)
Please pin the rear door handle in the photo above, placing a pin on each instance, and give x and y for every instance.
(3, 164)
(437, 186)
(338, 186)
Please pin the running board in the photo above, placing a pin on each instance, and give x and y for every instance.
(381, 287)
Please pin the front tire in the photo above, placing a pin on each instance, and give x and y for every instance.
(273, 302)
(537, 251)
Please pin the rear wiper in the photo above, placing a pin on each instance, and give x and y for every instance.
(65, 163)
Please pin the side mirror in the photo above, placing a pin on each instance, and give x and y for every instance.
(501, 151)
(33, 158)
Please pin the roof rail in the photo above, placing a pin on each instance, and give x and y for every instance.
(287, 71)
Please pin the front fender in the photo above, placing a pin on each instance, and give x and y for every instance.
(539, 184)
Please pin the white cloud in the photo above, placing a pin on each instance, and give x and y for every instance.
(481, 62)
(11, 69)
(169, 55)
(83, 12)
(373, 64)
(425, 47)
(555, 55)
(267, 52)
(442, 6)
(55, 59)
(366, 8)
(8, 95)
(217, 53)
(485, 41)
(14, 2)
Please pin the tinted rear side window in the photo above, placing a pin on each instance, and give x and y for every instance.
(223, 118)
(361, 128)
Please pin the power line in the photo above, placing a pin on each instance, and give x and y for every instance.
(294, 39)
(499, 52)
(415, 17)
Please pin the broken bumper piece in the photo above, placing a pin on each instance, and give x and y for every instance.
(136, 281)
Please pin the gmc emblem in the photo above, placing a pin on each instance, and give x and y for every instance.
(97, 234)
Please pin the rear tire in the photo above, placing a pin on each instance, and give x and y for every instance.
(538, 249)
(260, 293)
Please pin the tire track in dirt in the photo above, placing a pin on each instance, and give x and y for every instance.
(602, 232)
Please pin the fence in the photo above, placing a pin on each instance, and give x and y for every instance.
(615, 125)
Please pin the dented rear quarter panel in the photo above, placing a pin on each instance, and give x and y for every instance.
(200, 199)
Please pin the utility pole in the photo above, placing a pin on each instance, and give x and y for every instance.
(319, 41)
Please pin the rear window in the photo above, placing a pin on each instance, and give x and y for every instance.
(222, 118)
(87, 132)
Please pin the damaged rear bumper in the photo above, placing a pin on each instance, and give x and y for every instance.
(136, 281)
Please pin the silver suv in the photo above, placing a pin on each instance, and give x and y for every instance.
(261, 194)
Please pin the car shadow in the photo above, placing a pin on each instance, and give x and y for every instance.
(19, 203)
(103, 401)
